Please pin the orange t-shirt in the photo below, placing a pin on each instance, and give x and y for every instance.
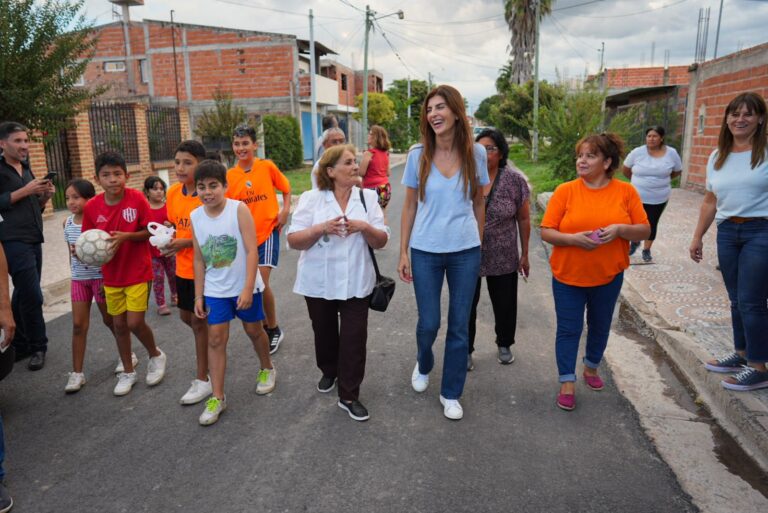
(256, 188)
(179, 207)
(574, 208)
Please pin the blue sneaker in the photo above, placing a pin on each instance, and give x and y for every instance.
(730, 363)
(748, 379)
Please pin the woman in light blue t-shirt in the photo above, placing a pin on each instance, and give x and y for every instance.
(442, 224)
(737, 200)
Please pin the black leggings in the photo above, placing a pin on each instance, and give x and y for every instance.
(654, 214)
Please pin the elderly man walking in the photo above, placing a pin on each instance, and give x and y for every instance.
(22, 201)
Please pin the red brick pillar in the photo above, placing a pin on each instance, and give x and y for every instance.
(38, 163)
(81, 147)
(141, 171)
(184, 123)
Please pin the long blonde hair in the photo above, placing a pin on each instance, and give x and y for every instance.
(462, 140)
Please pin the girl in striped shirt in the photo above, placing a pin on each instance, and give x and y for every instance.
(87, 282)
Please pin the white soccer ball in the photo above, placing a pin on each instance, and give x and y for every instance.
(93, 248)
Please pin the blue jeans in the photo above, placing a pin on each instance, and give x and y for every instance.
(742, 250)
(461, 268)
(25, 264)
(570, 302)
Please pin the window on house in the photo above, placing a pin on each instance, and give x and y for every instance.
(343, 82)
(702, 117)
(144, 71)
(114, 66)
(80, 82)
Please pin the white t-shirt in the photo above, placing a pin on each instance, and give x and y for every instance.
(740, 190)
(651, 175)
(335, 267)
(313, 175)
(223, 251)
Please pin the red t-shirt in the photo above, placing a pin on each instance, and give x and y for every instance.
(160, 216)
(132, 263)
(378, 169)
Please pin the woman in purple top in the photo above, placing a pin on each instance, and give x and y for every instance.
(507, 213)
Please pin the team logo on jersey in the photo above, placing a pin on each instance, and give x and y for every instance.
(248, 183)
(130, 214)
(101, 219)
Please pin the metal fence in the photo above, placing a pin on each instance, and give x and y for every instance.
(163, 131)
(113, 127)
(57, 160)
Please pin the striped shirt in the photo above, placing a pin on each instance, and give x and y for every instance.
(80, 271)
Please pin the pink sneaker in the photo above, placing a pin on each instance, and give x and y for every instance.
(594, 382)
(566, 402)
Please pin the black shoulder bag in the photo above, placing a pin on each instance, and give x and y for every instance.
(385, 287)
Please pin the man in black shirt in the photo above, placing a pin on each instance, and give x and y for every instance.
(22, 201)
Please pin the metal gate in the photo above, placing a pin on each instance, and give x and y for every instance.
(57, 159)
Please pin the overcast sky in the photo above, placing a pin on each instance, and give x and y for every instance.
(464, 42)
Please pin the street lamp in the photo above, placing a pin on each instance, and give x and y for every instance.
(370, 17)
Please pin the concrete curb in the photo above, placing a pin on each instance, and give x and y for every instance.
(741, 414)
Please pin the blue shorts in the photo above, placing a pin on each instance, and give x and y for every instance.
(269, 250)
(224, 309)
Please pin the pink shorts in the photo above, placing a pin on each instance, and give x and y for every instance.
(88, 290)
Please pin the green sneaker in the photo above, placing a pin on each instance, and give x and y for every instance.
(213, 408)
(265, 382)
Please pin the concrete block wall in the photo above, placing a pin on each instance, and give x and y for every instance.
(713, 85)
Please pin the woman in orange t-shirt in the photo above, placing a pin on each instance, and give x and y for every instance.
(590, 222)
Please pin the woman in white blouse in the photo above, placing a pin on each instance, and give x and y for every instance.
(651, 168)
(333, 228)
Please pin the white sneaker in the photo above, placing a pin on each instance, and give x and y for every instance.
(121, 368)
(265, 382)
(419, 381)
(75, 382)
(213, 408)
(451, 408)
(197, 392)
(156, 369)
(125, 382)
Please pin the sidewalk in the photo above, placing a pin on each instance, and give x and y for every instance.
(685, 308)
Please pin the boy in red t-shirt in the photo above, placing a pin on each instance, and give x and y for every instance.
(253, 181)
(180, 201)
(124, 213)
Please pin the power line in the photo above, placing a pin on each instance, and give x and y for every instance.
(630, 13)
(281, 11)
(394, 50)
(349, 4)
(576, 5)
(467, 22)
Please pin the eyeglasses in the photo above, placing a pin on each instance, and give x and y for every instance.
(491, 149)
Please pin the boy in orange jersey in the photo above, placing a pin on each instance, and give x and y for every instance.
(181, 199)
(253, 181)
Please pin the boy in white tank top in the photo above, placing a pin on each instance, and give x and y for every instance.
(227, 282)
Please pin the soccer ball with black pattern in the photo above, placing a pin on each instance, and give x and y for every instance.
(92, 248)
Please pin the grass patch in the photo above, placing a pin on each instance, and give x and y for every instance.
(539, 173)
(299, 179)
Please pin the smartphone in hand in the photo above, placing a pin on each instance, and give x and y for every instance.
(50, 176)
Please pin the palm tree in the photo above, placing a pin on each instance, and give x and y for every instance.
(521, 18)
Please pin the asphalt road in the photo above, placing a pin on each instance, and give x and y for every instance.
(295, 450)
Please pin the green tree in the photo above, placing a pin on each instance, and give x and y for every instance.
(404, 131)
(45, 47)
(220, 121)
(564, 123)
(521, 18)
(282, 141)
(512, 113)
(381, 109)
(484, 111)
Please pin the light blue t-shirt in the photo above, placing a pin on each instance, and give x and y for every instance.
(445, 221)
(740, 190)
(651, 175)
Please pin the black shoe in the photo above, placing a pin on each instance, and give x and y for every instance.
(633, 247)
(326, 384)
(275, 337)
(6, 502)
(355, 409)
(647, 255)
(36, 361)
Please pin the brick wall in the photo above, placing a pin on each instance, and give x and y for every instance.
(629, 78)
(713, 85)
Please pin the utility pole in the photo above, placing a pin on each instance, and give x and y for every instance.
(313, 90)
(535, 145)
(175, 67)
(368, 24)
(602, 55)
(128, 54)
(409, 107)
(429, 81)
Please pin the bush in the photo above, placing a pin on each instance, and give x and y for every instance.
(282, 141)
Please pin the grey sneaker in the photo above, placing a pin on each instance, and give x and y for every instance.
(730, 363)
(647, 255)
(265, 382)
(505, 356)
(748, 379)
(6, 502)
